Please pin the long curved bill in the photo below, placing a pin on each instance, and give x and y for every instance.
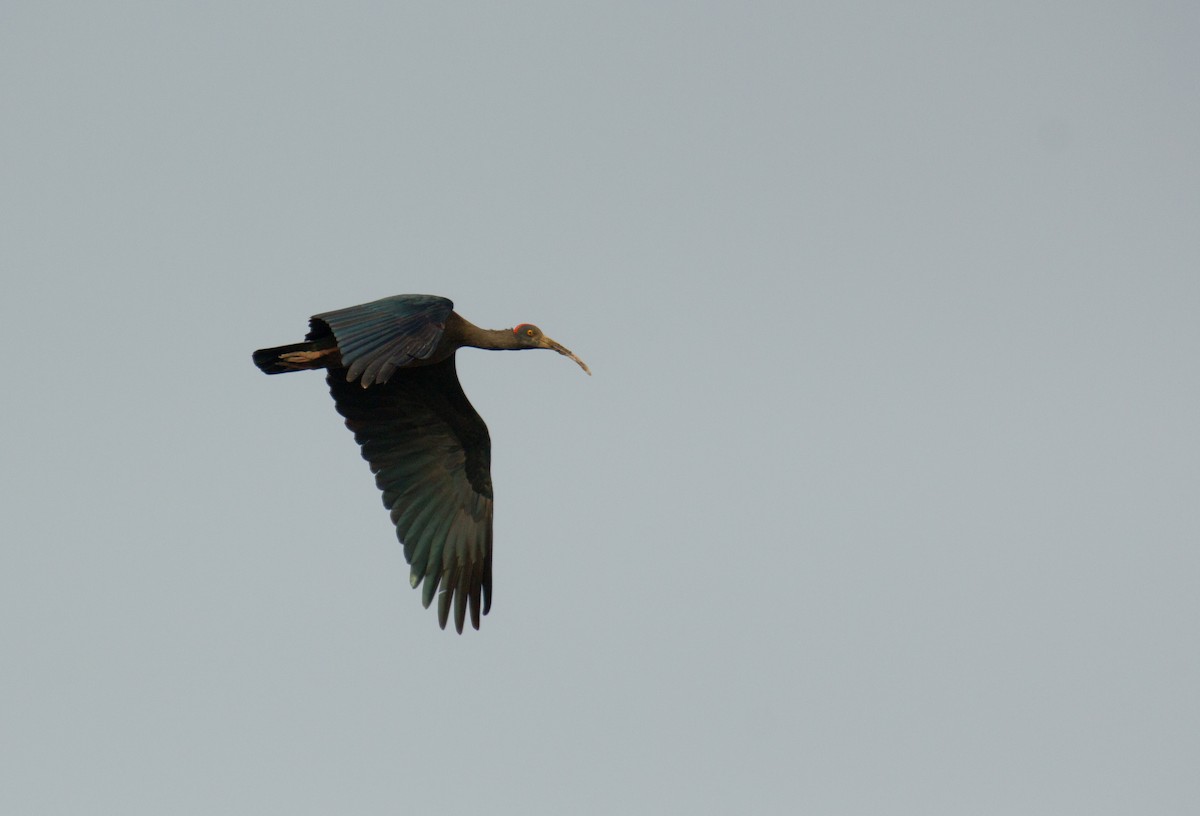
(566, 352)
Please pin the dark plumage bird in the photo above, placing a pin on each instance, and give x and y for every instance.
(391, 372)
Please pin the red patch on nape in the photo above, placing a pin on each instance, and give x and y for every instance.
(519, 326)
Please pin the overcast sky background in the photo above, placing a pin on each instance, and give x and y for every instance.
(882, 499)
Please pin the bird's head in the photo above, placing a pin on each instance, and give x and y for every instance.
(530, 336)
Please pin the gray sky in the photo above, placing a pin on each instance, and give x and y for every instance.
(882, 499)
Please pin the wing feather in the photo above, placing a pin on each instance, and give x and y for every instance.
(376, 339)
(431, 456)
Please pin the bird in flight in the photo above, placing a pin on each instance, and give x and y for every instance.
(390, 368)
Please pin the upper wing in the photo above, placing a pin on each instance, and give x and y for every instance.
(431, 455)
(379, 337)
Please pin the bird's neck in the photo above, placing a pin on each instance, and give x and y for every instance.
(466, 333)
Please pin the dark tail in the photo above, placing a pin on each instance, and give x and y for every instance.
(268, 359)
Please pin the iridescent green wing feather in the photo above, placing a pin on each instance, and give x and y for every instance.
(431, 455)
(375, 339)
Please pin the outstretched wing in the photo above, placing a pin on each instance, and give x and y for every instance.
(379, 337)
(431, 455)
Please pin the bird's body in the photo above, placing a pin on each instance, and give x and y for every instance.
(392, 376)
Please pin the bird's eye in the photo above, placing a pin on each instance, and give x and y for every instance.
(529, 332)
